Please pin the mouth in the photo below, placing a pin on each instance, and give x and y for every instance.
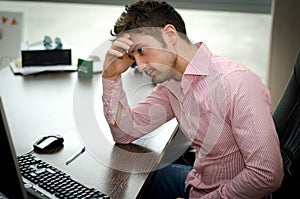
(150, 73)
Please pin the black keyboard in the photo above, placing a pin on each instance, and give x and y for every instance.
(53, 180)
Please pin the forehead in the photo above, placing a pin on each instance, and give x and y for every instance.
(143, 38)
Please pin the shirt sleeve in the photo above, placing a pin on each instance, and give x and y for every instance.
(112, 94)
(137, 121)
(256, 137)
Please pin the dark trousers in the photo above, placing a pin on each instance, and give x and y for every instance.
(168, 182)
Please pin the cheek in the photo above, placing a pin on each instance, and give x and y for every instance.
(161, 68)
(160, 59)
(166, 58)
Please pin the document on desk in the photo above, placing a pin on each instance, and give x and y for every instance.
(40, 69)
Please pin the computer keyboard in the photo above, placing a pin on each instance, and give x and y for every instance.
(53, 180)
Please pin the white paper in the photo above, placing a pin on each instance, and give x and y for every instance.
(30, 70)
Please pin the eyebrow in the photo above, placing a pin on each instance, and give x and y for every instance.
(136, 46)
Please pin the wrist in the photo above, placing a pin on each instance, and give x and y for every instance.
(109, 76)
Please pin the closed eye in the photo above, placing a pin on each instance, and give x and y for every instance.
(131, 53)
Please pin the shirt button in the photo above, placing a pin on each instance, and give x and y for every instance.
(115, 92)
(198, 175)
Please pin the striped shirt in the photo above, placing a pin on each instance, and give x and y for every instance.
(225, 110)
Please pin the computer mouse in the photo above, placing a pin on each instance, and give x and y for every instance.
(48, 144)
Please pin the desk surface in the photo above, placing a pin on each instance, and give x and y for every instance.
(43, 104)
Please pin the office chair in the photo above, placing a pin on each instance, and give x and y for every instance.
(287, 121)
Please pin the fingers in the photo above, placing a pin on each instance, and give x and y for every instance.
(115, 53)
(115, 62)
(120, 46)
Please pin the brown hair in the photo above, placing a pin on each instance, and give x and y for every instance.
(148, 13)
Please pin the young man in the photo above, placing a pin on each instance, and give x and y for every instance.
(221, 106)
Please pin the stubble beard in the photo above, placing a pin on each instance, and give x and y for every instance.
(169, 73)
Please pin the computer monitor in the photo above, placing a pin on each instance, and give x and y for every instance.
(12, 186)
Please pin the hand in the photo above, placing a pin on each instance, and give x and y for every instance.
(116, 61)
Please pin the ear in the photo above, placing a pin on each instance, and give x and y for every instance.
(170, 34)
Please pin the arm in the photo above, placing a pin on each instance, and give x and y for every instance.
(128, 124)
(116, 62)
(256, 137)
(137, 121)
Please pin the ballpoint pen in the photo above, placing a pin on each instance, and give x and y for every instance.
(75, 156)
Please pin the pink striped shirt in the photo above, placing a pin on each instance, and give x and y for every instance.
(225, 110)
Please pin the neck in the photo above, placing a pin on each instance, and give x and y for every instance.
(185, 53)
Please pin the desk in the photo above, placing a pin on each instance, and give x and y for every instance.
(43, 104)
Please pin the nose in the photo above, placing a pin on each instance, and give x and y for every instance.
(140, 65)
(141, 68)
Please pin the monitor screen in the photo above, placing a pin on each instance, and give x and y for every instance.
(12, 185)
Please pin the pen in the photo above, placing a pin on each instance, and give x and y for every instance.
(75, 156)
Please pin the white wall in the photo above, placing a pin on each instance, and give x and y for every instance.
(243, 37)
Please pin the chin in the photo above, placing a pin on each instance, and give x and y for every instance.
(159, 80)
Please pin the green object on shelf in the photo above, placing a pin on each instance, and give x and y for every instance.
(85, 68)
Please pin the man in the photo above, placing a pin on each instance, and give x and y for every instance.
(221, 106)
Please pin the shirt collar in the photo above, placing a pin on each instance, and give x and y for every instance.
(199, 65)
(200, 62)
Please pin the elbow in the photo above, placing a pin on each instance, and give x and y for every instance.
(120, 136)
(277, 176)
(273, 179)
(268, 178)
(123, 140)
(278, 181)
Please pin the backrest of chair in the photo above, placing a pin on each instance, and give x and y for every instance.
(287, 121)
